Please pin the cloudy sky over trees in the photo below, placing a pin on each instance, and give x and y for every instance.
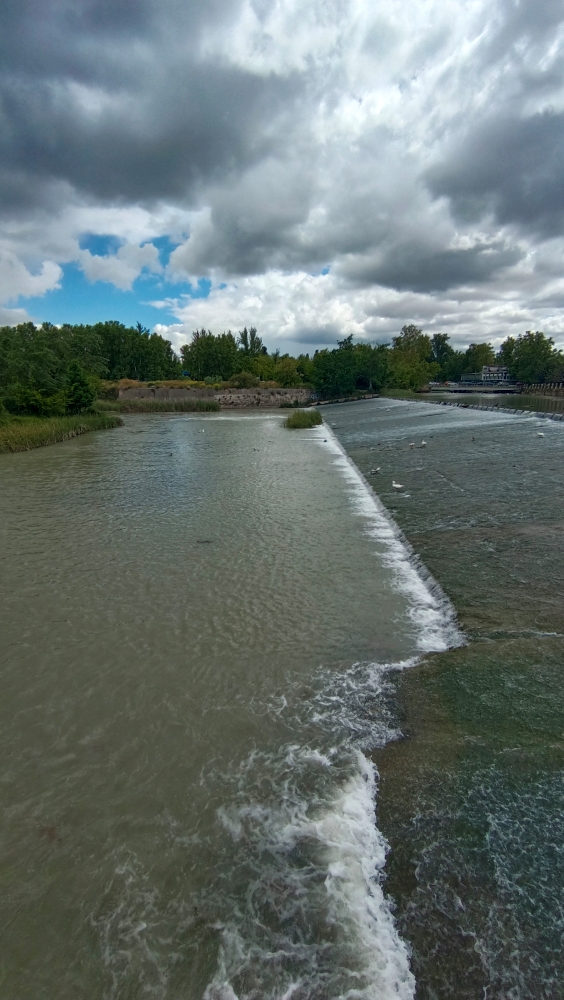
(314, 168)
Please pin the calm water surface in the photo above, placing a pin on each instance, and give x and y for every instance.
(194, 616)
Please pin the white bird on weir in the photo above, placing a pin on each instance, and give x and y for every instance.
(374, 471)
(412, 444)
(397, 486)
(423, 444)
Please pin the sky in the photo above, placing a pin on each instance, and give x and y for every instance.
(313, 168)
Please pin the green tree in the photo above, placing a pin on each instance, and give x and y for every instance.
(134, 352)
(455, 366)
(443, 354)
(286, 372)
(531, 358)
(79, 392)
(250, 344)
(208, 356)
(411, 363)
(306, 368)
(479, 355)
(371, 366)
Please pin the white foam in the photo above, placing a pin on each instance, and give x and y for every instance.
(430, 609)
(356, 854)
(367, 958)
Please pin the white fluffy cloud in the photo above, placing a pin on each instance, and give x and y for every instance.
(302, 312)
(123, 267)
(16, 280)
(413, 149)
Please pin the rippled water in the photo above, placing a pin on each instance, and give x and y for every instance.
(473, 800)
(200, 618)
(519, 401)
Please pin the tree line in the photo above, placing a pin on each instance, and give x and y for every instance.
(52, 370)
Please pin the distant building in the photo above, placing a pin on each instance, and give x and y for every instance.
(490, 375)
(495, 373)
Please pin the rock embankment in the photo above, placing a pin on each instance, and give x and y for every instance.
(227, 398)
(262, 397)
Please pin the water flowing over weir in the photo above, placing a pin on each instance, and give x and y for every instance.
(339, 888)
(471, 801)
(204, 713)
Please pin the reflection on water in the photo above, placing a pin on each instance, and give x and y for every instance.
(518, 401)
(473, 801)
(194, 616)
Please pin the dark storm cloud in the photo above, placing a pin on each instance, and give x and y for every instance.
(420, 268)
(153, 124)
(202, 124)
(511, 169)
(276, 137)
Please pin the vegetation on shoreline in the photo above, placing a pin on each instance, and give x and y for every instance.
(303, 419)
(157, 406)
(53, 371)
(21, 433)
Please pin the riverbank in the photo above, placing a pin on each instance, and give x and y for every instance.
(471, 798)
(25, 433)
(134, 405)
(515, 403)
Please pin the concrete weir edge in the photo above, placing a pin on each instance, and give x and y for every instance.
(547, 415)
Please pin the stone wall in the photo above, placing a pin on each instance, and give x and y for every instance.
(261, 397)
(226, 397)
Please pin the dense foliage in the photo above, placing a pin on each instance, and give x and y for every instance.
(51, 371)
(530, 358)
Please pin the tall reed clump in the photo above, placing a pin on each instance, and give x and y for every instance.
(25, 433)
(158, 405)
(303, 419)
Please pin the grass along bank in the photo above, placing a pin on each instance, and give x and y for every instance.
(157, 405)
(303, 419)
(25, 433)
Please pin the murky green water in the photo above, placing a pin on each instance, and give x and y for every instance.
(519, 401)
(194, 614)
(472, 800)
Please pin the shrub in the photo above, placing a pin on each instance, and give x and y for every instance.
(303, 419)
(24, 400)
(80, 394)
(24, 433)
(158, 405)
(244, 380)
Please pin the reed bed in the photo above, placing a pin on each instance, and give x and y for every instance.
(302, 419)
(157, 405)
(25, 433)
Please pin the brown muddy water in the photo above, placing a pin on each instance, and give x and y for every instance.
(212, 634)
(471, 798)
(199, 616)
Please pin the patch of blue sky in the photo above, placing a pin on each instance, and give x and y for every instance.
(100, 246)
(79, 300)
(165, 246)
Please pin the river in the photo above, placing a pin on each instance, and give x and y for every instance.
(249, 752)
(472, 800)
(200, 617)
